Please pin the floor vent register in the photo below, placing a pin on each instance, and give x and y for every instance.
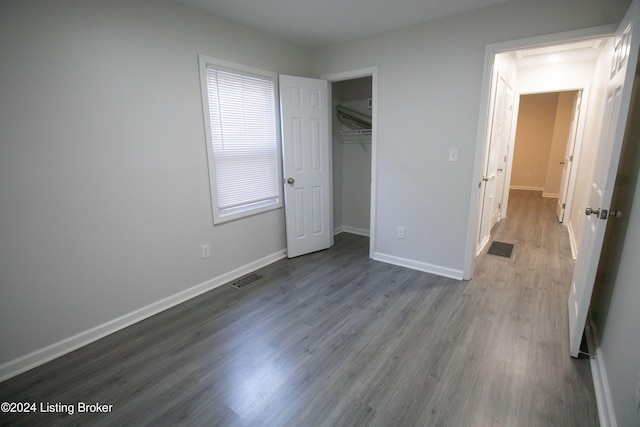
(246, 280)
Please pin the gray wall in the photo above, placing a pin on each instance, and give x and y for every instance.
(104, 198)
(428, 97)
(104, 188)
(430, 78)
(619, 338)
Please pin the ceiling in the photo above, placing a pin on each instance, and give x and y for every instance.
(585, 50)
(315, 23)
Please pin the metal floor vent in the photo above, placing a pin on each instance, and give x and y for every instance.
(246, 280)
(501, 250)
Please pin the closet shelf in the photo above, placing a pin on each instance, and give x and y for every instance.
(357, 136)
(358, 124)
(355, 132)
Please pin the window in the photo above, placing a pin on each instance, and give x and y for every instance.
(242, 139)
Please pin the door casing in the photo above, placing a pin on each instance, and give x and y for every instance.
(491, 51)
(355, 74)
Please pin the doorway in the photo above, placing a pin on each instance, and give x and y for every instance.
(544, 145)
(351, 124)
(354, 116)
(569, 66)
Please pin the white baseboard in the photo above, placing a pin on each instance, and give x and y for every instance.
(550, 195)
(572, 241)
(67, 345)
(352, 230)
(604, 401)
(483, 244)
(525, 187)
(420, 266)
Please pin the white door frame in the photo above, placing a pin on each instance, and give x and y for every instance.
(565, 195)
(487, 154)
(350, 75)
(577, 149)
(490, 52)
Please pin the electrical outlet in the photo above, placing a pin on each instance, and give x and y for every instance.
(400, 233)
(206, 251)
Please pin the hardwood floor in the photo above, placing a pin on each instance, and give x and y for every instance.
(336, 339)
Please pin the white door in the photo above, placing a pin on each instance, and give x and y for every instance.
(304, 113)
(493, 179)
(616, 113)
(567, 161)
(502, 151)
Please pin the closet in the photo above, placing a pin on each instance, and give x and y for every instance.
(351, 108)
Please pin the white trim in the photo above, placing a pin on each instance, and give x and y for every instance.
(572, 240)
(554, 38)
(219, 214)
(475, 204)
(419, 265)
(373, 73)
(352, 230)
(577, 150)
(606, 411)
(483, 244)
(512, 143)
(67, 345)
(483, 113)
(525, 188)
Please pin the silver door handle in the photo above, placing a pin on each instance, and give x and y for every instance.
(590, 211)
(291, 181)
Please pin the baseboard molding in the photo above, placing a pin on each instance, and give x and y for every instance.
(60, 348)
(604, 401)
(572, 241)
(525, 187)
(352, 230)
(550, 195)
(482, 245)
(418, 265)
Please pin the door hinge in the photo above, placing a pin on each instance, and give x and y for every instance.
(564, 205)
(571, 158)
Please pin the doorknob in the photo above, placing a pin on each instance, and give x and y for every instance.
(600, 213)
(590, 211)
(616, 214)
(291, 181)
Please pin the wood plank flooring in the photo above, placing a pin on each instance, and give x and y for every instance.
(336, 339)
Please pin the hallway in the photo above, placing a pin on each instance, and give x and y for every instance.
(528, 310)
(541, 245)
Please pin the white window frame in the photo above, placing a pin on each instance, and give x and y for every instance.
(224, 215)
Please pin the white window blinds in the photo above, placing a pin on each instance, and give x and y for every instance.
(244, 142)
